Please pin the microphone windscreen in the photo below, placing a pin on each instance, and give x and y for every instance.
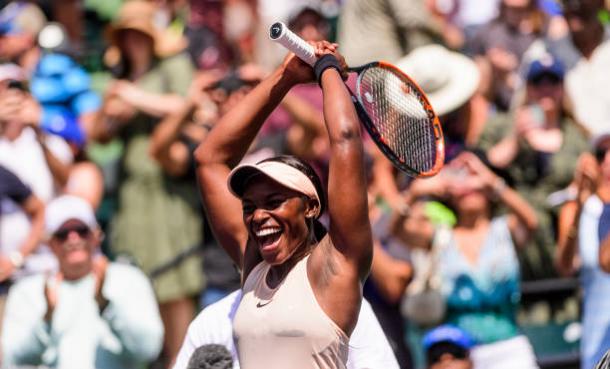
(211, 356)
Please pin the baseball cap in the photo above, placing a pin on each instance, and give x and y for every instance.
(20, 17)
(448, 333)
(545, 65)
(65, 208)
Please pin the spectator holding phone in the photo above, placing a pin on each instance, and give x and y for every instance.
(477, 262)
(584, 246)
(538, 147)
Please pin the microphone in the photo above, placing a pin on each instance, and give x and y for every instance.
(211, 356)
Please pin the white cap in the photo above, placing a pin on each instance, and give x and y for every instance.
(65, 208)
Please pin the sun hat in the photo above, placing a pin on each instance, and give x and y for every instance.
(284, 174)
(139, 15)
(448, 78)
(65, 208)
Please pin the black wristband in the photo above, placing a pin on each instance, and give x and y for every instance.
(324, 62)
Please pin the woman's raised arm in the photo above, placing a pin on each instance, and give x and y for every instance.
(350, 229)
(226, 144)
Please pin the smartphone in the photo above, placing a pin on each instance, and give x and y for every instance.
(537, 114)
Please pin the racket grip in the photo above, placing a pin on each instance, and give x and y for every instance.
(279, 32)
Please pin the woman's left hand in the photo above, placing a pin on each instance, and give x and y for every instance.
(480, 171)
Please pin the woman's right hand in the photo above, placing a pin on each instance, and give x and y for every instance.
(298, 71)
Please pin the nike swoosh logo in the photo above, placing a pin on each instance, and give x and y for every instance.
(260, 304)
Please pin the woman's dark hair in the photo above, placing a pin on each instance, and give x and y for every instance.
(306, 169)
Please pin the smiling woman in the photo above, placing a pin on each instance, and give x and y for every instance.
(302, 285)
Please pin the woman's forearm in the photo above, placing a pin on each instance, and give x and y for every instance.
(156, 105)
(34, 208)
(569, 218)
(504, 152)
(168, 131)
(59, 170)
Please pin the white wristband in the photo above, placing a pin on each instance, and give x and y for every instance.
(16, 259)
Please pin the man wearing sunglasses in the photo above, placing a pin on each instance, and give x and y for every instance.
(448, 347)
(91, 313)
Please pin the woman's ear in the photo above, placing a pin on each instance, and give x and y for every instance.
(311, 207)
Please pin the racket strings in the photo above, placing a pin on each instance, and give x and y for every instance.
(397, 111)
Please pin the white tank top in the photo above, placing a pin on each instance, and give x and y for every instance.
(285, 327)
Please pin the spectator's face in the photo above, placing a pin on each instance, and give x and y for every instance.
(135, 45)
(13, 46)
(447, 361)
(547, 91)
(516, 11)
(311, 27)
(275, 218)
(466, 191)
(73, 244)
(445, 355)
(602, 153)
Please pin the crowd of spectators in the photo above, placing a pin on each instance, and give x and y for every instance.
(106, 255)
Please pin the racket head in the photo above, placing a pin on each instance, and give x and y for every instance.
(400, 119)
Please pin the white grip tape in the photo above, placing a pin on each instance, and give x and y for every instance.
(279, 32)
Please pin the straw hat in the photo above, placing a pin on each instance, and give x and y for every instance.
(139, 15)
(448, 78)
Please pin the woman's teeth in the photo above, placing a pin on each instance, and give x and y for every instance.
(267, 232)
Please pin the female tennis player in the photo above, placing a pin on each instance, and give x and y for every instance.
(301, 288)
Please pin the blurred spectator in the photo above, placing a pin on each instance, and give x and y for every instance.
(368, 348)
(465, 18)
(15, 194)
(478, 263)
(158, 216)
(205, 30)
(42, 161)
(538, 148)
(384, 30)
(584, 245)
(172, 144)
(57, 82)
(391, 272)
(500, 44)
(91, 314)
(448, 347)
(587, 80)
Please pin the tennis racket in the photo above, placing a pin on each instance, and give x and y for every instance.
(391, 106)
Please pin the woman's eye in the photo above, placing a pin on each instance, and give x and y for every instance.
(248, 209)
(275, 203)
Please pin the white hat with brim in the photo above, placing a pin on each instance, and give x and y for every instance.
(448, 78)
(65, 208)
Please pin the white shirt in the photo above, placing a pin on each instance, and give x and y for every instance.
(587, 86)
(126, 335)
(368, 347)
(25, 158)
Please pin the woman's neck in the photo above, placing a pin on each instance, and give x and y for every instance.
(472, 221)
(277, 273)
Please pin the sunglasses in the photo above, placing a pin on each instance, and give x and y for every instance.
(437, 351)
(82, 230)
(546, 78)
(600, 153)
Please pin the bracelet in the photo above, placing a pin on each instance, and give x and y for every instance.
(16, 259)
(322, 64)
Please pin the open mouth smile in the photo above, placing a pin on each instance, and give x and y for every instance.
(268, 237)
